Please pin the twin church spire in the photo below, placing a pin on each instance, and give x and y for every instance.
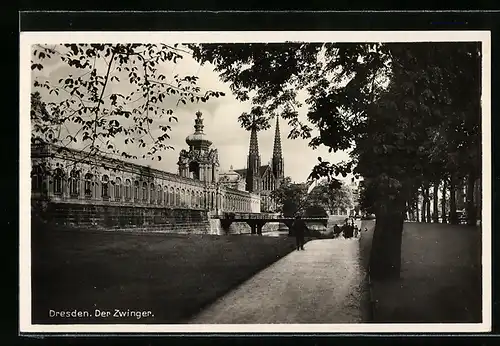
(253, 175)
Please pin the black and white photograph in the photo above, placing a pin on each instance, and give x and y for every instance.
(255, 182)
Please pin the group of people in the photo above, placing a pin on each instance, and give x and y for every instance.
(348, 229)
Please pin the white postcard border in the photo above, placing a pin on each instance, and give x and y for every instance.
(29, 38)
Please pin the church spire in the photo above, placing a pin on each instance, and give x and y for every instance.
(254, 144)
(277, 140)
(253, 163)
(277, 160)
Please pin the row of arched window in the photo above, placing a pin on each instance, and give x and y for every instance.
(118, 190)
(237, 203)
(128, 191)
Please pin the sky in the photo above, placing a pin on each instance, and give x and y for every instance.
(220, 120)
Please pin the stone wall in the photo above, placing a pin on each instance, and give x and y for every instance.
(111, 217)
(237, 228)
(270, 227)
(241, 228)
(136, 218)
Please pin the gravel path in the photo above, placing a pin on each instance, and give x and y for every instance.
(323, 284)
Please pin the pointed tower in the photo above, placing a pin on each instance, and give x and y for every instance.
(253, 164)
(277, 160)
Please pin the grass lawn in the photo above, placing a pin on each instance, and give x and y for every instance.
(440, 276)
(173, 276)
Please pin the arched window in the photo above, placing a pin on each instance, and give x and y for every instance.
(58, 181)
(118, 189)
(144, 192)
(193, 201)
(178, 197)
(136, 191)
(74, 183)
(159, 195)
(183, 197)
(87, 188)
(187, 198)
(172, 196)
(152, 193)
(165, 199)
(105, 187)
(127, 189)
(37, 179)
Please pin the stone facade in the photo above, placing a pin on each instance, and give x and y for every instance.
(97, 190)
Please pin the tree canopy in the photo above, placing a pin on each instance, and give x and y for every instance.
(110, 92)
(389, 102)
(291, 198)
(331, 196)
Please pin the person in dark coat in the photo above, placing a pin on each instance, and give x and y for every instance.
(336, 230)
(348, 229)
(299, 228)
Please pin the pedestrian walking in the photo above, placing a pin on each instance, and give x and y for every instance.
(299, 228)
(336, 230)
(356, 231)
(348, 229)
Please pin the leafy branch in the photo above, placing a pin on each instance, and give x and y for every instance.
(112, 94)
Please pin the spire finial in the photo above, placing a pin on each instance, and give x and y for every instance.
(198, 123)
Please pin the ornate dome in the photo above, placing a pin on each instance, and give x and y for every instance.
(230, 176)
(198, 139)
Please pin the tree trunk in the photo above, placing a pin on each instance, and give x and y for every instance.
(424, 218)
(428, 203)
(471, 208)
(411, 211)
(453, 202)
(443, 204)
(385, 255)
(435, 190)
(417, 210)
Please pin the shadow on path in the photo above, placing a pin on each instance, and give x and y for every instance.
(323, 284)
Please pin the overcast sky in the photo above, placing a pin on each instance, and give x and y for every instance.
(221, 125)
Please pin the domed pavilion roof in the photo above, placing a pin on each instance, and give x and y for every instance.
(230, 176)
